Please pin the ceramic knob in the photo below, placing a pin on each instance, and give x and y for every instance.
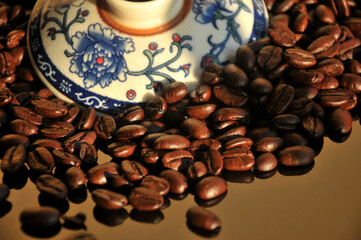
(114, 54)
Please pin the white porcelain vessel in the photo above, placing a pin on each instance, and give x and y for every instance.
(113, 54)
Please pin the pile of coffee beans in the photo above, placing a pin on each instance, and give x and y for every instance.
(268, 111)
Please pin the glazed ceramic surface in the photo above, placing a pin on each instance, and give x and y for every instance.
(97, 54)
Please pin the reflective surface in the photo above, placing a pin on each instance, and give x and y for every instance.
(322, 204)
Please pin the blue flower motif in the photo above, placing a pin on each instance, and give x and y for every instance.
(206, 10)
(99, 56)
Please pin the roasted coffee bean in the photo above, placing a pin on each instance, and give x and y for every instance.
(230, 97)
(87, 119)
(132, 170)
(118, 181)
(57, 130)
(23, 127)
(256, 46)
(153, 126)
(224, 125)
(176, 112)
(195, 128)
(129, 132)
(227, 114)
(13, 159)
(353, 23)
(149, 139)
(350, 81)
(197, 170)
(104, 127)
(211, 74)
(18, 54)
(129, 116)
(327, 83)
(65, 158)
(204, 219)
(201, 111)
(210, 187)
(178, 182)
(280, 99)
(265, 162)
(270, 57)
(245, 58)
(321, 44)
(71, 114)
(300, 106)
(145, 199)
(4, 192)
(171, 142)
(27, 114)
(329, 53)
(9, 140)
(51, 185)
(100, 174)
(309, 92)
(348, 45)
(7, 63)
(49, 109)
(160, 185)
(177, 160)
(330, 67)
(74, 178)
(260, 86)
(285, 122)
(174, 92)
(5, 96)
(336, 98)
(232, 133)
(123, 149)
(294, 139)
(338, 121)
(87, 152)
(299, 58)
(268, 144)
(324, 14)
(238, 159)
(296, 156)
(280, 18)
(238, 142)
(150, 155)
(340, 7)
(204, 144)
(213, 161)
(155, 108)
(301, 22)
(88, 137)
(13, 38)
(281, 35)
(108, 199)
(306, 77)
(353, 66)
(40, 160)
(201, 94)
(40, 217)
(234, 76)
(47, 143)
(313, 126)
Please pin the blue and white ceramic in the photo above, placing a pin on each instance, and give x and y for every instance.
(113, 54)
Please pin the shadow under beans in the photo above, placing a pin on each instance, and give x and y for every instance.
(74, 222)
(5, 208)
(203, 232)
(211, 202)
(78, 195)
(264, 175)
(338, 137)
(238, 176)
(47, 200)
(110, 218)
(153, 217)
(17, 180)
(41, 232)
(178, 197)
(295, 171)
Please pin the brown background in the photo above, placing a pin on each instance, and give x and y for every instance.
(323, 204)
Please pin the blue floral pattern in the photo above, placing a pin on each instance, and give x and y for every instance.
(99, 56)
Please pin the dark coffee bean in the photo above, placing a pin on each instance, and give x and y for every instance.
(178, 182)
(177, 160)
(294, 139)
(258, 133)
(155, 108)
(299, 58)
(195, 128)
(57, 130)
(306, 77)
(336, 98)
(227, 114)
(340, 7)
(27, 114)
(210, 187)
(201, 111)
(47, 143)
(129, 116)
(118, 181)
(285, 122)
(350, 81)
(9, 140)
(196, 170)
(174, 92)
(71, 114)
(87, 152)
(87, 119)
(327, 83)
(204, 219)
(160, 185)
(99, 175)
(88, 137)
(65, 158)
(51, 185)
(129, 132)
(230, 97)
(301, 106)
(23, 127)
(49, 109)
(171, 142)
(122, 149)
(40, 217)
(296, 156)
(330, 67)
(270, 57)
(234, 76)
(353, 66)
(265, 162)
(245, 58)
(153, 126)
(4, 192)
(213, 161)
(281, 35)
(145, 199)
(338, 121)
(132, 170)
(260, 86)
(268, 144)
(74, 178)
(5, 96)
(40, 160)
(201, 94)
(7, 64)
(317, 111)
(211, 74)
(238, 142)
(104, 127)
(313, 126)
(13, 159)
(176, 112)
(280, 99)
(238, 159)
(74, 222)
(108, 199)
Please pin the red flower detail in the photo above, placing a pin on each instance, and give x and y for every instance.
(176, 37)
(85, 13)
(153, 46)
(52, 32)
(100, 60)
(131, 94)
(206, 60)
(185, 66)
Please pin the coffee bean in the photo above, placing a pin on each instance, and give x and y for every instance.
(49, 109)
(204, 144)
(299, 58)
(238, 142)
(327, 83)
(177, 160)
(196, 170)
(230, 97)
(47, 143)
(270, 57)
(5, 96)
(268, 144)
(23, 127)
(195, 128)
(281, 35)
(51, 185)
(294, 139)
(57, 130)
(201, 111)
(238, 159)
(211, 74)
(324, 14)
(338, 121)
(13, 159)
(7, 63)
(350, 81)
(145, 199)
(201, 94)
(74, 178)
(160, 185)
(280, 99)
(40, 217)
(40, 160)
(122, 149)
(178, 182)
(156, 108)
(301, 106)
(210, 187)
(336, 98)
(4, 192)
(108, 199)
(132, 170)
(301, 22)
(87, 153)
(28, 115)
(129, 132)
(100, 174)
(227, 114)
(245, 58)
(265, 162)
(285, 122)
(330, 67)
(313, 126)
(174, 92)
(9, 140)
(104, 127)
(232, 133)
(88, 137)
(171, 142)
(150, 155)
(204, 219)
(18, 54)
(234, 76)
(296, 156)
(71, 114)
(260, 86)
(176, 112)
(129, 116)
(307, 77)
(65, 158)
(213, 161)
(87, 119)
